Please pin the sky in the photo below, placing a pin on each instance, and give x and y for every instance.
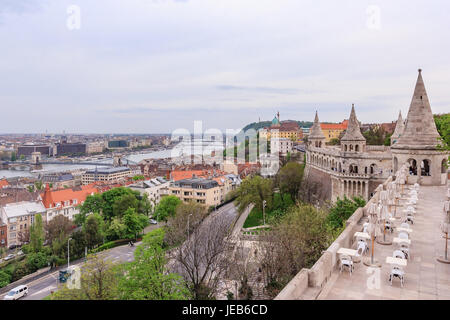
(153, 66)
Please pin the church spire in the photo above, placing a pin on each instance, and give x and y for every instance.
(353, 132)
(399, 128)
(316, 131)
(420, 130)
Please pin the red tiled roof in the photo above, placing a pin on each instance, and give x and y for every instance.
(51, 198)
(3, 183)
(334, 126)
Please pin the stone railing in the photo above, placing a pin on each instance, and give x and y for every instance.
(321, 271)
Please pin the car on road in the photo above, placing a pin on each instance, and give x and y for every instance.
(16, 293)
(152, 221)
(9, 257)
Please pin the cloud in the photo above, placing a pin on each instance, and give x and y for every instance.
(151, 66)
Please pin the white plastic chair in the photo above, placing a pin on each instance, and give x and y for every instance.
(410, 218)
(346, 261)
(403, 235)
(366, 227)
(397, 271)
(404, 247)
(404, 225)
(398, 254)
(362, 248)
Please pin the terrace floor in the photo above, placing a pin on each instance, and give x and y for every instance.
(426, 278)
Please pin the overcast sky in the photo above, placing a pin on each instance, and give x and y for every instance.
(151, 66)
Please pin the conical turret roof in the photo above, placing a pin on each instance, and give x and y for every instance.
(316, 131)
(353, 132)
(420, 130)
(399, 127)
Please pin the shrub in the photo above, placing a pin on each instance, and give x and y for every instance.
(5, 278)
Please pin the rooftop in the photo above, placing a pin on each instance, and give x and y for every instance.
(196, 183)
(18, 209)
(109, 170)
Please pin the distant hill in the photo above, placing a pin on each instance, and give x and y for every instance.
(262, 124)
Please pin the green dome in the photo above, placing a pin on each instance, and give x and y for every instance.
(275, 121)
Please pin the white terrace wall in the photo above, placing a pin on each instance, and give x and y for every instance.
(320, 273)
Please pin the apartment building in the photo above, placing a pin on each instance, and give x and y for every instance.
(281, 145)
(18, 218)
(106, 175)
(154, 188)
(204, 191)
(65, 201)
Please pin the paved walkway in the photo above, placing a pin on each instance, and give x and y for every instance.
(425, 277)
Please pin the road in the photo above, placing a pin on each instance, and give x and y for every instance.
(42, 287)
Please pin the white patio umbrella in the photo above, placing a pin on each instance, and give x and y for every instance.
(384, 215)
(445, 227)
(372, 211)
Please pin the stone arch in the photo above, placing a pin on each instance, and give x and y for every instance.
(356, 148)
(412, 166)
(320, 144)
(365, 170)
(351, 148)
(373, 168)
(345, 147)
(425, 168)
(353, 168)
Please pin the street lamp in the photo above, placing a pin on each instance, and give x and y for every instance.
(188, 225)
(264, 211)
(68, 253)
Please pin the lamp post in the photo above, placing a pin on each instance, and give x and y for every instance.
(68, 253)
(188, 225)
(264, 212)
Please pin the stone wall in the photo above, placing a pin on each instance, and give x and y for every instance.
(323, 180)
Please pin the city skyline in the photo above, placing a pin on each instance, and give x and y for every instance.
(155, 66)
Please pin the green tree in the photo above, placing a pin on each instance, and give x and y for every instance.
(134, 223)
(56, 226)
(39, 185)
(93, 204)
(93, 230)
(36, 260)
(37, 234)
(342, 210)
(13, 156)
(296, 242)
(99, 278)
(123, 203)
(166, 208)
(5, 278)
(290, 179)
(111, 196)
(146, 278)
(116, 229)
(254, 190)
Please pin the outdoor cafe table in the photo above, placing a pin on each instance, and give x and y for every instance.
(363, 235)
(396, 261)
(399, 229)
(400, 240)
(350, 252)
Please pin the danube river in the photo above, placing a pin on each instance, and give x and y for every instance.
(183, 148)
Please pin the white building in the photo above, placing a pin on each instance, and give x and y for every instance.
(19, 217)
(154, 188)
